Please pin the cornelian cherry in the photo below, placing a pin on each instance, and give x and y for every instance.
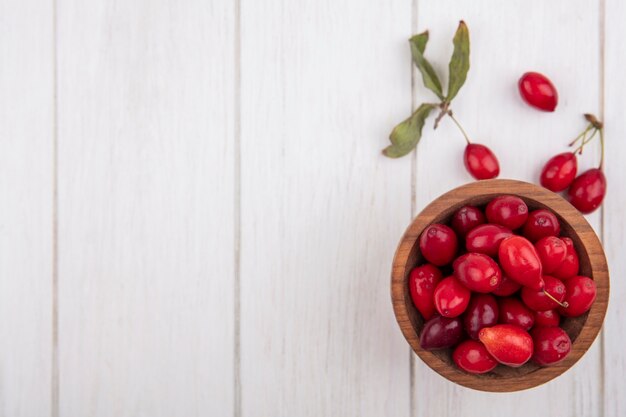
(588, 190)
(551, 345)
(569, 266)
(507, 287)
(508, 211)
(440, 333)
(520, 262)
(481, 162)
(482, 311)
(548, 318)
(438, 244)
(466, 218)
(472, 357)
(552, 252)
(559, 172)
(477, 272)
(512, 311)
(539, 300)
(422, 283)
(580, 295)
(508, 344)
(541, 223)
(537, 90)
(486, 238)
(451, 297)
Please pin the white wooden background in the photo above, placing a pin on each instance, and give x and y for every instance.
(196, 220)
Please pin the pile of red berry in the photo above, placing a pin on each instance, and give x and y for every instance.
(508, 286)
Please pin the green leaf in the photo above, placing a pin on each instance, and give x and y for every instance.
(405, 136)
(429, 76)
(460, 61)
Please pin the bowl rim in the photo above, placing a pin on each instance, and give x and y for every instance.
(400, 296)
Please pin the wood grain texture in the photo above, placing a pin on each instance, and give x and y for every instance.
(146, 212)
(506, 42)
(615, 202)
(322, 209)
(26, 200)
(582, 330)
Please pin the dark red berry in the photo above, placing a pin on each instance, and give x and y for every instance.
(548, 318)
(580, 295)
(508, 211)
(466, 218)
(508, 344)
(486, 238)
(438, 244)
(552, 252)
(551, 344)
(440, 333)
(480, 162)
(588, 190)
(537, 90)
(559, 172)
(512, 311)
(451, 297)
(472, 357)
(507, 287)
(477, 272)
(422, 283)
(541, 223)
(482, 311)
(520, 262)
(538, 300)
(569, 266)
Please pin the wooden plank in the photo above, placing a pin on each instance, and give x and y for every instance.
(26, 187)
(146, 189)
(614, 222)
(506, 42)
(322, 209)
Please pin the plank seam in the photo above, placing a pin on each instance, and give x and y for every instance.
(237, 211)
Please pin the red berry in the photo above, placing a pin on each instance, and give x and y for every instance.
(537, 90)
(541, 223)
(472, 357)
(508, 344)
(580, 295)
(422, 283)
(438, 244)
(486, 238)
(552, 345)
(482, 311)
(477, 272)
(507, 287)
(480, 162)
(552, 252)
(569, 266)
(588, 190)
(508, 211)
(559, 172)
(440, 333)
(538, 300)
(451, 297)
(548, 318)
(466, 218)
(512, 311)
(520, 262)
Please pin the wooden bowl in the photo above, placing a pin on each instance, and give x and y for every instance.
(582, 330)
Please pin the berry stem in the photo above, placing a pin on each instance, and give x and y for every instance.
(582, 134)
(585, 141)
(456, 122)
(562, 304)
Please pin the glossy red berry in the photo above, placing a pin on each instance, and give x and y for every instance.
(482, 311)
(538, 300)
(441, 333)
(569, 266)
(513, 311)
(422, 283)
(508, 211)
(580, 295)
(486, 238)
(552, 252)
(588, 190)
(451, 297)
(508, 344)
(541, 223)
(507, 287)
(481, 162)
(477, 272)
(472, 357)
(548, 318)
(551, 344)
(559, 172)
(537, 90)
(438, 244)
(520, 262)
(466, 218)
